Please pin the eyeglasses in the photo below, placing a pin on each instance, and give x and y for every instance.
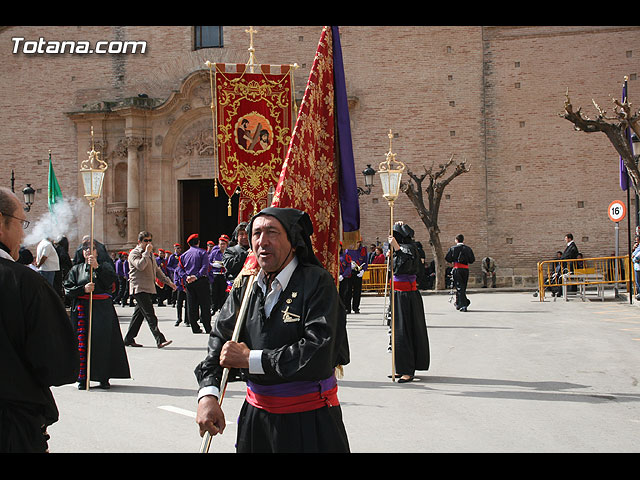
(146, 240)
(25, 223)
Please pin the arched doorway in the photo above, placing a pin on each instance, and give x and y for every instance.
(204, 213)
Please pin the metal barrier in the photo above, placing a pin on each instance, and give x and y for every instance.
(557, 275)
(374, 278)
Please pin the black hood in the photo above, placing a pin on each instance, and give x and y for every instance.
(299, 229)
(403, 233)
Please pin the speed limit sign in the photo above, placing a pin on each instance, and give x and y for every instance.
(617, 211)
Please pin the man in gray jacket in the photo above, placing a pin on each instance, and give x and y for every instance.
(143, 271)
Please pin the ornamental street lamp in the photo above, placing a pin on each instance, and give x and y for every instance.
(29, 195)
(92, 171)
(390, 177)
(368, 173)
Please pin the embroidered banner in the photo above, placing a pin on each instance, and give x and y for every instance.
(318, 175)
(254, 119)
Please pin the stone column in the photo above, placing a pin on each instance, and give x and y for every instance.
(133, 189)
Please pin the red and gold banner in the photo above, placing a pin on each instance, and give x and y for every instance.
(253, 114)
(316, 168)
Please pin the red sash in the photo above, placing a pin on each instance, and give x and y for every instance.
(293, 397)
(460, 265)
(405, 286)
(96, 296)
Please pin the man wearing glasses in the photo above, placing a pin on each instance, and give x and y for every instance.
(38, 348)
(143, 271)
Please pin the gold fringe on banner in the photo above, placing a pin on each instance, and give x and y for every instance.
(351, 239)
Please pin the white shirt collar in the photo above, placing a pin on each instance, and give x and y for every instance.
(282, 278)
(4, 254)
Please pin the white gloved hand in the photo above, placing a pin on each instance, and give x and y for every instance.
(361, 273)
(340, 278)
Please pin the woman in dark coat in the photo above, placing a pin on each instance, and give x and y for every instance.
(410, 326)
(108, 355)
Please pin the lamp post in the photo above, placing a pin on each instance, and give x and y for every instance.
(28, 192)
(368, 173)
(390, 177)
(92, 171)
(29, 195)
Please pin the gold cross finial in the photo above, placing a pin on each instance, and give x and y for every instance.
(251, 31)
(252, 61)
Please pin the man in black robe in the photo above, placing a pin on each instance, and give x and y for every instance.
(461, 256)
(235, 255)
(292, 341)
(38, 348)
(410, 327)
(89, 286)
(570, 253)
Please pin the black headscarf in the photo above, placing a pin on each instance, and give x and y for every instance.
(403, 233)
(299, 229)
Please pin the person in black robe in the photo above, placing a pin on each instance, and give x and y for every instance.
(410, 327)
(108, 356)
(236, 253)
(292, 342)
(62, 249)
(461, 256)
(38, 349)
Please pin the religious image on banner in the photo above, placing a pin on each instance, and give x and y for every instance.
(254, 117)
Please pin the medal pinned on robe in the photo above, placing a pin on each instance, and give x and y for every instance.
(288, 317)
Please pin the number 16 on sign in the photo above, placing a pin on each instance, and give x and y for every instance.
(617, 211)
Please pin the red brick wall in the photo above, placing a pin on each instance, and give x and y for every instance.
(529, 168)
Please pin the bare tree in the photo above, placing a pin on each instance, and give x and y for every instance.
(436, 181)
(614, 127)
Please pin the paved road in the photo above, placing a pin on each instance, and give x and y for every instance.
(511, 375)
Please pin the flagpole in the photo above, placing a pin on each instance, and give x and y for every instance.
(92, 203)
(92, 171)
(206, 438)
(392, 299)
(390, 172)
(629, 266)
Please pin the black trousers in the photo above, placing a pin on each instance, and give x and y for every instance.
(356, 292)
(181, 296)
(198, 299)
(315, 431)
(344, 290)
(218, 292)
(460, 280)
(143, 311)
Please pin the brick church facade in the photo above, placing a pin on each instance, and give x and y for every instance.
(490, 95)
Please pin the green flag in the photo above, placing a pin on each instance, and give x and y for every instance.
(55, 194)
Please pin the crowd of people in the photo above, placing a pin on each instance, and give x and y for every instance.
(290, 351)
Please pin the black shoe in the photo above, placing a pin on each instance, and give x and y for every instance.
(82, 385)
(177, 323)
(132, 344)
(105, 385)
(356, 311)
(405, 380)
